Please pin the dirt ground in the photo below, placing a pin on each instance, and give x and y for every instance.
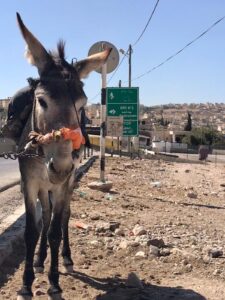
(162, 226)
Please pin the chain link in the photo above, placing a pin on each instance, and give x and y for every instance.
(15, 155)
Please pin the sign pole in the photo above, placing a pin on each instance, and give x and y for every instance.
(112, 62)
(103, 123)
(129, 81)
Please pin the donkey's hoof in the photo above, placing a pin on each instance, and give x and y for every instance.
(55, 296)
(67, 269)
(24, 297)
(24, 294)
(55, 293)
(38, 270)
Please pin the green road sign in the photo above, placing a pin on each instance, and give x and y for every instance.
(124, 102)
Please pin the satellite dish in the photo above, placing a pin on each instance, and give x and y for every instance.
(113, 59)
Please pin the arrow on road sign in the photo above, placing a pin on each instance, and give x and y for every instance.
(112, 111)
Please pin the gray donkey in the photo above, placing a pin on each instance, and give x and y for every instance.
(49, 177)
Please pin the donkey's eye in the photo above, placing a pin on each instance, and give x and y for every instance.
(42, 103)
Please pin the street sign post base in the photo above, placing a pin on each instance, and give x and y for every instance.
(101, 186)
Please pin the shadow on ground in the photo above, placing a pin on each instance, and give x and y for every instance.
(115, 289)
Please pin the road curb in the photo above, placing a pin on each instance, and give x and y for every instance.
(12, 227)
(8, 186)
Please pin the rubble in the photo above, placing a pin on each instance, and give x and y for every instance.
(157, 233)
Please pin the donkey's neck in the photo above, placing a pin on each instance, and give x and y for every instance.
(24, 136)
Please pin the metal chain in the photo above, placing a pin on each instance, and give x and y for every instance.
(15, 155)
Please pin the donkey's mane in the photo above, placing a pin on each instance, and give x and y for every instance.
(58, 55)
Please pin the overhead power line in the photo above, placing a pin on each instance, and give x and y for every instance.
(138, 39)
(143, 31)
(126, 52)
(93, 98)
(181, 50)
(108, 81)
(117, 67)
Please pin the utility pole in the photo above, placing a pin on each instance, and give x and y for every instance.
(129, 62)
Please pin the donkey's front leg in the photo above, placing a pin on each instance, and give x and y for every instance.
(46, 217)
(31, 237)
(66, 253)
(54, 238)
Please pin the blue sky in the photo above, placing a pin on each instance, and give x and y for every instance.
(196, 75)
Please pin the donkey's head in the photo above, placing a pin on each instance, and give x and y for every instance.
(59, 95)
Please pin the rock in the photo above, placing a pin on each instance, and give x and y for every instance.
(156, 242)
(123, 244)
(95, 217)
(128, 165)
(214, 193)
(217, 272)
(101, 186)
(187, 171)
(153, 251)
(134, 244)
(134, 281)
(165, 252)
(102, 227)
(95, 243)
(206, 259)
(188, 267)
(215, 253)
(192, 195)
(156, 184)
(114, 225)
(109, 196)
(138, 230)
(140, 254)
(120, 232)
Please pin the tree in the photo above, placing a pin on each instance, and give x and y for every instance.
(188, 126)
(204, 136)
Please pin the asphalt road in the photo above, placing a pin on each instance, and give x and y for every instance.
(9, 171)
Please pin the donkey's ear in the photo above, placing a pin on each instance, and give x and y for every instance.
(91, 63)
(35, 52)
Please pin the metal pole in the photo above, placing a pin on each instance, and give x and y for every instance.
(130, 52)
(92, 149)
(112, 147)
(103, 124)
(129, 80)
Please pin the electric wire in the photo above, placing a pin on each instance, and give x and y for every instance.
(126, 52)
(181, 50)
(108, 81)
(117, 67)
(143, 31)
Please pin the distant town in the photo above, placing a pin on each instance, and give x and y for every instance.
(162, 122)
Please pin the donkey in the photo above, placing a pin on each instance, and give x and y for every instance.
(49, 177)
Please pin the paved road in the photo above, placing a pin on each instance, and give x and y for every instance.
(212, 157)
(9, 171)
